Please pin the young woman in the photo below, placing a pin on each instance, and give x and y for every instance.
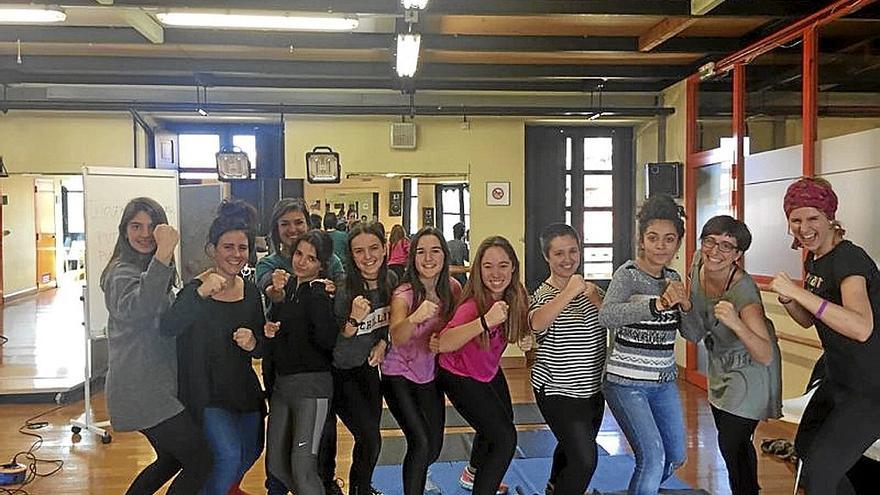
(142, 379)
(399, 251)
(289, 221)
(841, 297)
(420, 307)
(301, 334)
(567, 375)
(493, 312)
(643, 308)
(744, 369)
(218, 318)
(362, 307)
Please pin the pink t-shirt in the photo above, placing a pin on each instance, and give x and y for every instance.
(399, 252)
(413, 360)
(473, 360)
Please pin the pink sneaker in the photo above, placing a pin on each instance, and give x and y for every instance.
(466, 481)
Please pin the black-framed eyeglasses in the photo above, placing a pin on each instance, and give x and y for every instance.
(723, 246)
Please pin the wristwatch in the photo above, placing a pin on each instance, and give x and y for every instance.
(353, 322)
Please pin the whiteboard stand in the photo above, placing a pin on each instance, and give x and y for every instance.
(85, 421)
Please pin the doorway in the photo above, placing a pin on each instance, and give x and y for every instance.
(47, 238)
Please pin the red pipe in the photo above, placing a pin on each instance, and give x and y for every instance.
(830, 13)
(739, 133)
(810, 89)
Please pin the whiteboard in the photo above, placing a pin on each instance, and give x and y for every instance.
(106, 191)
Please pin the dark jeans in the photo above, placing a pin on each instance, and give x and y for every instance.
(357, 400)
(180, 447)
(836, 428)
(236, 441)
(735, 442)
(575, 423)
(421, 413)
(487, 408)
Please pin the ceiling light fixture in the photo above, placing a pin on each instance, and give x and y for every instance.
(408, 54)
(31, 15)
(414, 4)
(247, 21)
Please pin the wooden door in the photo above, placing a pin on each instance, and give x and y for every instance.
(44, 202)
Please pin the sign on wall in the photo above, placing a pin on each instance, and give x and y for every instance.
(498, 193)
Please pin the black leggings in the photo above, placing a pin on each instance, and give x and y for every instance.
(180, 447)
(575, 423)
(357, 399)
(421, 413)
(735, 442)
(835, 430)
(487, 408)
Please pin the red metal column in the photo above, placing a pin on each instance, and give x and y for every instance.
(810, 90)
(737, 171)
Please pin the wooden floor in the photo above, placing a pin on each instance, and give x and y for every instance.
(93, 468)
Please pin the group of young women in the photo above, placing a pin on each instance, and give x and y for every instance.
(335, 341)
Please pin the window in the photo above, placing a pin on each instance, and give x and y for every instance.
(455, 206)
(412, 214)
(198, 150)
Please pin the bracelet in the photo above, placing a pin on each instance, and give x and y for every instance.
(483, 323)
(822, 308)
(786, 300)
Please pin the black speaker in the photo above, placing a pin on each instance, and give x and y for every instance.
(663, 178)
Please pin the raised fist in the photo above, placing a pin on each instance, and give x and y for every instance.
(424, 312)
(360, 308)
(497, 314)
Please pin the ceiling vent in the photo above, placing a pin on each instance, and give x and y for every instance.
(403, 135)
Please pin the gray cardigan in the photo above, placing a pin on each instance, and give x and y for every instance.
(142, 380)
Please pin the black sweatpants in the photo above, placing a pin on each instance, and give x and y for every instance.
(836, 428)
(180, 447)
(575, 424)
(735, 442)
(487, 408)
(357, 399)
(421, 414)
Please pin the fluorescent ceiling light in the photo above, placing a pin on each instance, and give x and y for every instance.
(247, 21)
(31, 14)
(414, 4)
(408, 54)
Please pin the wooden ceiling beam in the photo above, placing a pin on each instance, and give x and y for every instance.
(664, 30)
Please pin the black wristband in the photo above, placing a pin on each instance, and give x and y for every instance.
(484, 324)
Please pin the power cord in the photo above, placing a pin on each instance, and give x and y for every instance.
(31, 461)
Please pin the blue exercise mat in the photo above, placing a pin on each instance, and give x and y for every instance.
(612, 475)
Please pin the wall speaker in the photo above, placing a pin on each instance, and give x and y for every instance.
(663, 178)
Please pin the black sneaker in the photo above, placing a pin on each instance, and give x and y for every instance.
(373, 491)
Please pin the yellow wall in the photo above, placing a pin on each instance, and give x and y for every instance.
(492, 150)
(64, 142)
(50, 143)
(19, 247)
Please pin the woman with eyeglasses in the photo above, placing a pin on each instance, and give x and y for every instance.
(744, 367)
(841, 297)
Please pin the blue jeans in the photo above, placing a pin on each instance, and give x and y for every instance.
(651, 418)
(236, 441)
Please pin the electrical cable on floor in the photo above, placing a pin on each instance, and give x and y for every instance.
(30, 461)
(3, 340)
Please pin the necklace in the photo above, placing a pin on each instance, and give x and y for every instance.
(714, 292)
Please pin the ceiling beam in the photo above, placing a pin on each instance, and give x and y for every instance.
(483, 7)
(353, 41)
(664, 30)
(370, 70)
(702, 7)
(144, 24)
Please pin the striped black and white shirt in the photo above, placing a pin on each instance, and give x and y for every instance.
(643, 338)
(571, 352)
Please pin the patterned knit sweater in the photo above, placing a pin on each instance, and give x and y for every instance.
(643, 338)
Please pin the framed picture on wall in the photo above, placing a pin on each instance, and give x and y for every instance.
(427, 217)
(498, 193)
(395, 203)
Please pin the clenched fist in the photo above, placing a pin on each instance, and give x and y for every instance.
(279, 279)
(575, 285)
(212, 284)
(497, 314)
(245, 339)
(270, 328)
(360, 308)
(424, 312)
(726, 313)
(166, 240)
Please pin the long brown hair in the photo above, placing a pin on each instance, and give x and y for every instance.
(443, 288)
(122, 251)
(517, 326)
